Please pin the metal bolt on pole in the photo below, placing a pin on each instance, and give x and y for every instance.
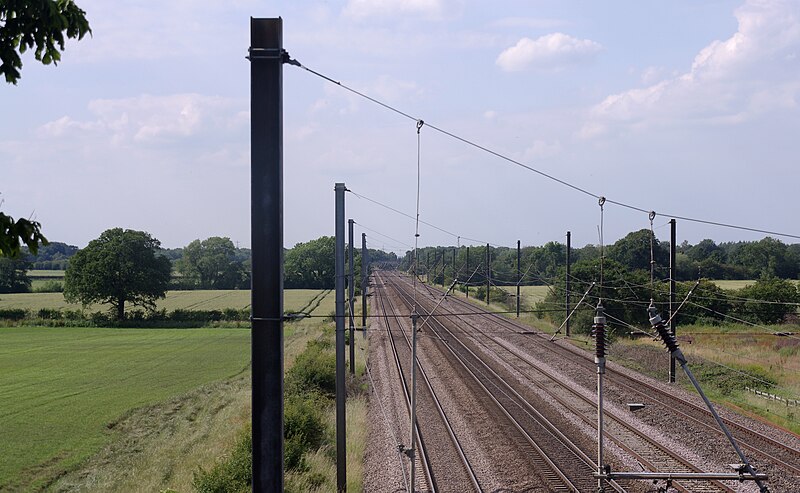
(266, 225)
(341, 447)
(351, 296)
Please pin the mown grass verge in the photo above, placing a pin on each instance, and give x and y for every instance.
(309, 428)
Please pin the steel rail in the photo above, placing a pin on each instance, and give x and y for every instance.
(745, 436)
(479, 369)
(451, 433)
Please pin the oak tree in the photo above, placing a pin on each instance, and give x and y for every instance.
(121, 266)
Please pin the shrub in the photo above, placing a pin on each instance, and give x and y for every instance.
(234, 474)
(13, 313)
(49, 314)
(314, 370)
(49, 287)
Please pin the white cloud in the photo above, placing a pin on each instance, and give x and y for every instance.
(362, 9)
(152, 119)
(529, 22)
(541, 149)
(549, 52)
(751, 72)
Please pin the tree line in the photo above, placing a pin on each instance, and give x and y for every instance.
(743, 260)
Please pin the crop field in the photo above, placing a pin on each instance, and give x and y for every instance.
(62, 389)
(530, 294)
(294, 300)
(46, 274)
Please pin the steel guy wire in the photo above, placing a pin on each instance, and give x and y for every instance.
(532, 169)
(383, 235)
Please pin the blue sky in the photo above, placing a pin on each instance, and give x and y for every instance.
(690, 108)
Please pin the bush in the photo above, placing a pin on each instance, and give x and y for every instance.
(49, 314)
(314, 370)
(49, 287)
(234, 474)
(13, 313)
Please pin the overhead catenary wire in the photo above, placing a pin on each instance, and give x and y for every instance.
(529, 168)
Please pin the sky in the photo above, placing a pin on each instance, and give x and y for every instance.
(682, 107)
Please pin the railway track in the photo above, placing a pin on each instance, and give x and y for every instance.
(649, 452)
(559, 463)
(760, 447)
(445, 472)
(767, 448)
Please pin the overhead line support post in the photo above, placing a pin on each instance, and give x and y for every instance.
(466, 286)
(266, 57)
(413, 440)
(364, 282)
(351, 286)
(455, 273)
(427, 265)
(567, 281)
(672, 268)
(519, 276)
(341, 447)
(488, 272)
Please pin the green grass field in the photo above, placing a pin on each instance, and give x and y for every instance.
(530, 295)
(293, 299)
(62, 389)
(46, 274)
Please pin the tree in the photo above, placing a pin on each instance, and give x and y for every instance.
(37, 23)
(12, 233)
(768, 301)
(118, 267)
(13, 276)
(311, 265)
(212, 264)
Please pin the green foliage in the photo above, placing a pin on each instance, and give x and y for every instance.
(313, 371)
(61, 388)
(212, 264)
(311, 265)
(633, 252)
(232, 475)
(52, 256)
(12, 233)
(49, 287)
(769, 300)
(13, 276)
(728, 382)
(37, 23)
(120, 266)
(303, 428)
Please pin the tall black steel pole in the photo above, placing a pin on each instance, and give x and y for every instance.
(341, 456)
(364, 274)
(519, 276)
(567, 280)
(488, 273)
(266, 226)
(351, 296)
(455, 274)
(427, 266)
(672, 266)
(466, 285)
